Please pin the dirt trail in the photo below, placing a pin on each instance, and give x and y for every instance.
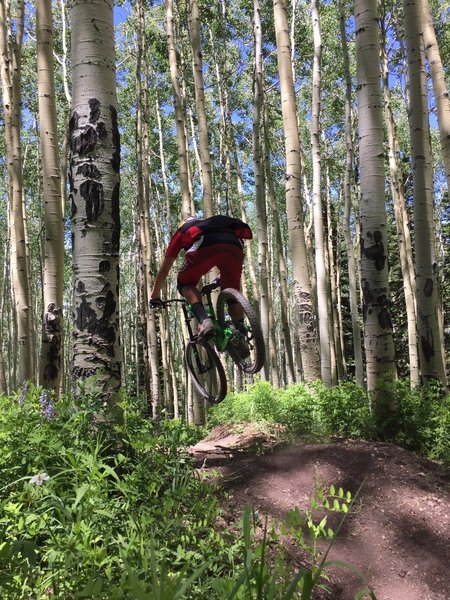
(399, 536)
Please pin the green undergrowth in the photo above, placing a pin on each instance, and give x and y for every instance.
(91, 510)
(418, 420)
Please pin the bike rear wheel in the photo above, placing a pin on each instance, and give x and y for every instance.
(246, 347)
(206, 371)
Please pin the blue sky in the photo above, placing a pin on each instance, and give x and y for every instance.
(121, 13)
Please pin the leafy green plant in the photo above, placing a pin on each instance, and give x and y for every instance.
(268, 576)
(418, 419)
(81, 516)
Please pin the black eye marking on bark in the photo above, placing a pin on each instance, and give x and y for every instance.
(104, 266)
(92, 192)
(428, 288)
(94, 105)
(375, 252)
(73, 122)
(115, 214)
(115, 160)
(384, 319)
(81, 288)
(85, 142)
(102, 131)
(427, 347)
(86, 317)
(89, 170)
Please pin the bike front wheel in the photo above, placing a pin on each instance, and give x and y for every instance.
(246, 346)
(206, 371)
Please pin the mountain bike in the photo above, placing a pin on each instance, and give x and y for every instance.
(243, 342)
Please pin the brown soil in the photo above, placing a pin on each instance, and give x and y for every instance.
(398, 534)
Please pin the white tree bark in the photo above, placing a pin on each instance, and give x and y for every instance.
(205, 157)
(380, 358)
(10, 74)
(95, 182)
(431, 343)
(403, 234)
(302, 287)
(179, 113)
(53, 271)
(319, 244)
(439, 84)
(258, 166)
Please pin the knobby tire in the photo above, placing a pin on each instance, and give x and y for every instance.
(255, 334)
(211, 362)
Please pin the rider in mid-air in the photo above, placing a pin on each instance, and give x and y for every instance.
(213, 242)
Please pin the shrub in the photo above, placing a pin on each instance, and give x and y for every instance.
(343, 410)
(83, 513)
(295, 409)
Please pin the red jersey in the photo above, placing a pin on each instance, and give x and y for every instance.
(198, 233)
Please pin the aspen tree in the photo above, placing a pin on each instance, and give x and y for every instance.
(431, 344)
(258, 166)
(10, 75)
(53, 272)
(94, 190)
(319, 244)
(279, 250)
(179, 114)
(3, 288)
(302, 287)
(348, 176)
(203, 141)
(379, 345)
(401, 220)
(439, 84)
(148, 318)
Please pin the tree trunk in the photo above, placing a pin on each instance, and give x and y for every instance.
(3, 288)
(319, 244)
(179, 114)
(10, 71)
(205, 157)
(143, 210)
(94, 185)
(401, 219)
(53, 272)
(348, 177)
(380, 359)
(279, 249)
(439, 84)
(431, 344)
(258, 166)
(302, 288)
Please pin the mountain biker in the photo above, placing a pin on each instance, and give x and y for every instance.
(213, 242)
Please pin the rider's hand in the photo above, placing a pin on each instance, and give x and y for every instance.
(156, 303)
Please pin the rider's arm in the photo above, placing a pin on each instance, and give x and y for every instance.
(161, 276)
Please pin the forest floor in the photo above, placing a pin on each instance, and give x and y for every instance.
(398, 532)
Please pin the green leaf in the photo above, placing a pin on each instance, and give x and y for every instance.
(294, 583)
(80, 493)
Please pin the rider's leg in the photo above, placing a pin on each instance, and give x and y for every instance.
(194, 298)
(236, 311)
(230, 276)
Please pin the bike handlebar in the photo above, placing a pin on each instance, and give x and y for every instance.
(206, 289)
(165, 303)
